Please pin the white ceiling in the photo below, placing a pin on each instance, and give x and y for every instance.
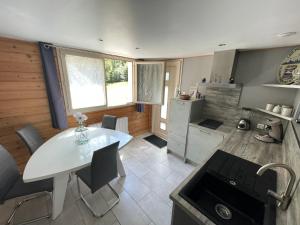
(161, 28)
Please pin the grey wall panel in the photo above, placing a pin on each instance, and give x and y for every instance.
(257, 67)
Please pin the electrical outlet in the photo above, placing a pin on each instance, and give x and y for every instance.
(260, 126)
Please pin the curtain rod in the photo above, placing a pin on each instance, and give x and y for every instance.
(46, 45)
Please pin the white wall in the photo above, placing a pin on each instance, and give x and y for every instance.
(194, 70)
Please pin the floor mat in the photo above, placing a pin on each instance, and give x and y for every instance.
(157, 141)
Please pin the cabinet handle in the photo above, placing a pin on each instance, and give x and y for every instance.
(206, 132)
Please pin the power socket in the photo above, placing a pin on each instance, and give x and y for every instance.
(260, 126)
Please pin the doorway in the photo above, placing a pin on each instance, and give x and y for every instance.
(160, 113)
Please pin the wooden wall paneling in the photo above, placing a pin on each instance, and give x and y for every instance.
(23, 99)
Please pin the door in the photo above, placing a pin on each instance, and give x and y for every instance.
(160, 113)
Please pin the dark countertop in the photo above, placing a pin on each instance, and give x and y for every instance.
(242, 144)
(223, 129)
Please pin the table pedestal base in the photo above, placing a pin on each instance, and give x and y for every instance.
(59, 193)
(120, 166)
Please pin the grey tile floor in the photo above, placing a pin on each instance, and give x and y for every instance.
(152, 175)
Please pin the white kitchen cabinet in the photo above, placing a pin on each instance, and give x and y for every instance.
(201, 144)
(181, 113)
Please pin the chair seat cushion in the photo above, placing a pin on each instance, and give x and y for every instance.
(22, 189)
(85, 175)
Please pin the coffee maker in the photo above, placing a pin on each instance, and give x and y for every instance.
(273, 127)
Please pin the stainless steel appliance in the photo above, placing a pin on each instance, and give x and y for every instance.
(244, 122)
(274, 131)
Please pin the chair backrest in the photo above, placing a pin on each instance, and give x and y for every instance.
(109, 122)
(104, 166)
(9, 172)
(30, 137)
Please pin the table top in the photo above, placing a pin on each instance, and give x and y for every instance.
(60, 154)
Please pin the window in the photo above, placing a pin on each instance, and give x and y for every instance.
(118, 78)
(91, 82)
(150, 80)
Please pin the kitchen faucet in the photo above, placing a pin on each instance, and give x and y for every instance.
(285, 197)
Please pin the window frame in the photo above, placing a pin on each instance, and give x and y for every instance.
(61, 53)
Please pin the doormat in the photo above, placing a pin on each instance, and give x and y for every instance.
(157, 141)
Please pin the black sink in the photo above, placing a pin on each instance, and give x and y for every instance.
(228, 191)
(209, 123)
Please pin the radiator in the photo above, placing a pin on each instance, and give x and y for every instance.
(122, 124)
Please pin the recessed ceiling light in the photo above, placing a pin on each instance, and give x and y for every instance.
(100, 39)
(137, 48)
(286, 34)
(222, 44)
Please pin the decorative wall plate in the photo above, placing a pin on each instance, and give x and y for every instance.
(289, 69)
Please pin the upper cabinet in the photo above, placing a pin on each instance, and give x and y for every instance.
(223, 66)
(149, 85)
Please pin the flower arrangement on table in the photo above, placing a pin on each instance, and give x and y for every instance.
(81, 132)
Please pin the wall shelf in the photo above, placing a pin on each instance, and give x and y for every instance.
(220, 85)
(275, 114)
(293, 86)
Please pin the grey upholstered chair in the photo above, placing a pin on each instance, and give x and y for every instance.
(103, 169)
(30, 137)
(12, 185)
(109, 122)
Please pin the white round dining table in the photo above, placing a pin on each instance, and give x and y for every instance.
(60, 155)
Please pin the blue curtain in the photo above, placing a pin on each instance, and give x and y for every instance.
(140, 107)
(55, 97)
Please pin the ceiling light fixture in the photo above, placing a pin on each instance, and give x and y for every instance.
(222, 44)
(286, 34)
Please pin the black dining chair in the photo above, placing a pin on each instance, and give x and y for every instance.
(109, 122)
(30, 137)
(12, 186)
(102, 170)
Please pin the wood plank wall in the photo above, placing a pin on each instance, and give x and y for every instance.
(23, 99)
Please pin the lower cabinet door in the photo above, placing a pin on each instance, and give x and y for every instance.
(201, 144)
(176, 144)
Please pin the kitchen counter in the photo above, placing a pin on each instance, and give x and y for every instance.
(242, 144)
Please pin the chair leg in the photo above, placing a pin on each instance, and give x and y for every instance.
(12, 215)
(90, 207)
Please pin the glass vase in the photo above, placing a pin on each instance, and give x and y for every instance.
(81, 135)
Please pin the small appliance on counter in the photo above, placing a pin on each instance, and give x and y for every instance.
(274, 131)
(244, 122)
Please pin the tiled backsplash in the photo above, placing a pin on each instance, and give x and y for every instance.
(222, 104)
(291, 154)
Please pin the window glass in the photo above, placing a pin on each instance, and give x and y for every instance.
(163, 126)
(164, 107)
(167, 76)
(86, 81)
(118, 77)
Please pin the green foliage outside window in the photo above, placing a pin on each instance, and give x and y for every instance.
(115, 71)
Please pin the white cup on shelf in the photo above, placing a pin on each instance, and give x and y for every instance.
(286, 110)
(277, 109)
(270, 107)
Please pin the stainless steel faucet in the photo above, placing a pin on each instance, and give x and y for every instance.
(285, 197)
